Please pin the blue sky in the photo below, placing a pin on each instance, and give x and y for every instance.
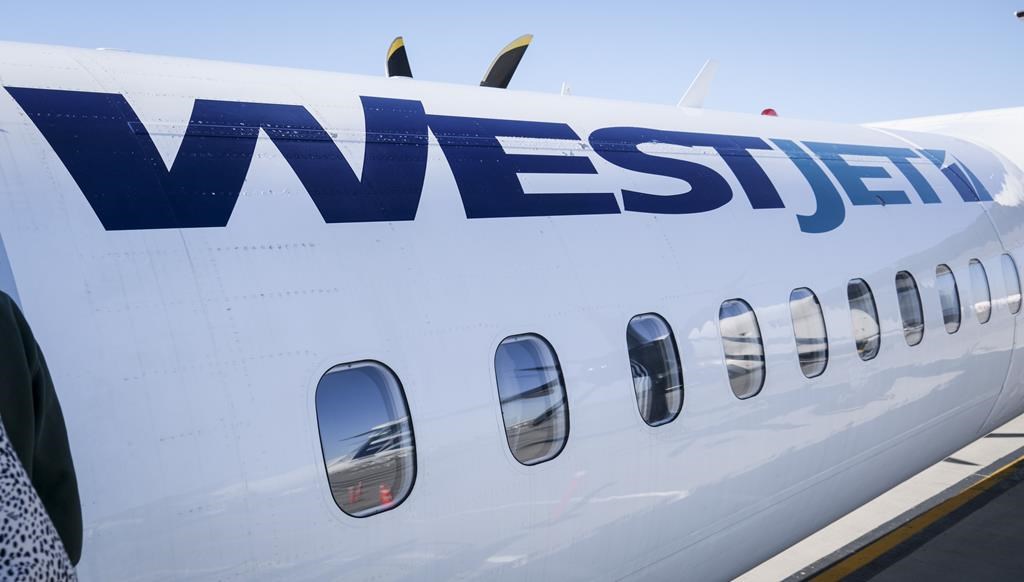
(842, 61)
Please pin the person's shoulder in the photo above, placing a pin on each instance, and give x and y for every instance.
(10, 314)
(7, 302)
(14, 330)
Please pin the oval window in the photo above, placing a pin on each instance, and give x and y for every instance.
(809, 331)
(949, 298)
(864, 316)
(1012, 280)
(741, 343)
(980, 291)
(533, 400)
(366, 437)
(657, 373)
(911, 311)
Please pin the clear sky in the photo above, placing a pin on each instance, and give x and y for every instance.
(865, 60)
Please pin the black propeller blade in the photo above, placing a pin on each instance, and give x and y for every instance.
(398, 61)
(504, 65)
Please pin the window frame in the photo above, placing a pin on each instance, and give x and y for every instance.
(956, 295)
(907, 331)
(974, 290)
(501, 408)
(679, 361)
(875, 318)
(760, 343)
(796, 336)
(1006, 282)
(400, 388)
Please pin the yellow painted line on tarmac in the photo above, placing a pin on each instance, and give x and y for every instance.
(879, 547)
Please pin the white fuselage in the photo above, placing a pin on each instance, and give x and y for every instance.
(186, 356)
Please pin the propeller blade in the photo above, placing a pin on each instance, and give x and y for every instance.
(398, 61)
(504, 65)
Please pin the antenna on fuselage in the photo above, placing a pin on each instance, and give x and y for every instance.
(698, 90)
(504, 65)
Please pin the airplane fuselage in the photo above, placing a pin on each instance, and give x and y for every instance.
(196, 243)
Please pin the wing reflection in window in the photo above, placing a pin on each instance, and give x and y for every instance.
(949, 298)
(979, 288)
(741, 343)
(809, 331)
(533, 399)
(657, 374)
(366, 437)
(911, 311)
(864, 316)
(1012, 281)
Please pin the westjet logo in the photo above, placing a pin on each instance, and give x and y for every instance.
(112, 158)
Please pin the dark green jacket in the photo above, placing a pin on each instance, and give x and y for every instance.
(35, 425)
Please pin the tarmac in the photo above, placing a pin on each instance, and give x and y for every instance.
(961, 519)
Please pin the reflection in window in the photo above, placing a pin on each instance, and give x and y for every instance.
(1012, 280)
(910, 308)
(533, 401)
(657, 373)
(744, 353)
(809, 330)
(865, 318)
(980, 292)
(366, 437)
(949, 298)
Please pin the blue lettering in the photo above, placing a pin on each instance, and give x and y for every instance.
(619, 146)
(831, 211)
(901, 158)
(488, 176)
(852, 177)
(967, 185)
(979, 188)
(735, 150)
(112, 158)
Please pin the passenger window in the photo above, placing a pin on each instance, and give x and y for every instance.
(949, 298)
(865, 318)
(809, 331)
(744, 352)
(657, 373)
(533, 400)
(980, 292)
(910, 308)
(1012, 283)
(366, 437)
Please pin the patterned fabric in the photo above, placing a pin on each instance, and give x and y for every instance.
(35, 427)
(30, 549)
